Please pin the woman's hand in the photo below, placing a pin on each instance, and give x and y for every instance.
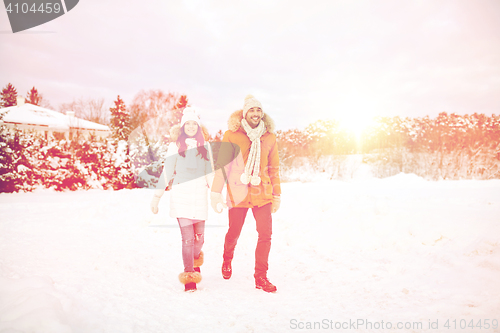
(154, 204)
(217, 202)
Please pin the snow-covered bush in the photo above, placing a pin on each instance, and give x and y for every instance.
(147, 161)
(56, 166)
(447, 147)
(31, 161)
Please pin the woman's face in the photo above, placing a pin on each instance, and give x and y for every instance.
(190, 128)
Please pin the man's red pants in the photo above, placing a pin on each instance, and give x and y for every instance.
(264, 223)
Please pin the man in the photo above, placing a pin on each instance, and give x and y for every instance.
(248, 163)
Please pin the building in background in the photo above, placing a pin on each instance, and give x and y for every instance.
(50, 124)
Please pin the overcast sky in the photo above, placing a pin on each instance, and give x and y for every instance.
(304, 60)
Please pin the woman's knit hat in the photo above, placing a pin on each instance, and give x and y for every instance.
(190, 113)
(250, 102)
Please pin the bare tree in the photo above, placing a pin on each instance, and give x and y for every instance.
(96, 111)
(91, 109)
(44, 103)
(154, 112)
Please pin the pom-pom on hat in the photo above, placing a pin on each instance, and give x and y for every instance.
(250, 102)
(190, 113)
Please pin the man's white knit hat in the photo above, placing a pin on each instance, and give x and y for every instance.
(250, 102)
(190, 113)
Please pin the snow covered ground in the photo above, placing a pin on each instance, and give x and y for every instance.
(345, 255)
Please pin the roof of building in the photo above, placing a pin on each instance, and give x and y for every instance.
(29, 114)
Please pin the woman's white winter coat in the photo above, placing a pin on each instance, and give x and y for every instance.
(189, 193)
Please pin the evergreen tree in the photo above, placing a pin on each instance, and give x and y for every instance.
(33, 97)
(120, 121)
(8, 96)
(15, 170)
(6, 167)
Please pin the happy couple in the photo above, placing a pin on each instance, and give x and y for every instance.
(247, 162)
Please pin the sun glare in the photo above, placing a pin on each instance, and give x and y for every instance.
(356, 124)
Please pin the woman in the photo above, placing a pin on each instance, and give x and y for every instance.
(189, 157)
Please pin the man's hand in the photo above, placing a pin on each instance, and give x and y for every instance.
(215, 200)
(154, 204)
(276, 203)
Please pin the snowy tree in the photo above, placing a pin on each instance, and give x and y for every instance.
(326, 137)
(120, 121)
(8, 96)
(386, 132)
(33, 97)
(292, 142)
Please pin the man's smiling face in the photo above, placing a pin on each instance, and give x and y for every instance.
(253, 117)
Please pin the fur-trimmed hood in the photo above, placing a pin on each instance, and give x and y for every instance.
(234, 122)
(175, 131)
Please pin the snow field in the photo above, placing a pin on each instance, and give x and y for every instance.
(396, 249)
